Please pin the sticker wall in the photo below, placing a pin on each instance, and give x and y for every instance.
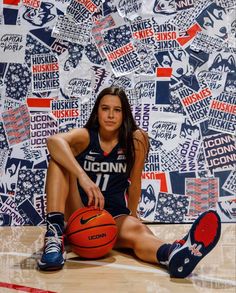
(176, 60)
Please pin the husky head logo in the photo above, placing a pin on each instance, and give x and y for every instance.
(213, 21)
(223, 64)
(148, 202)
(178, 60)
(40, 16)
(230, 84)
(164, 6)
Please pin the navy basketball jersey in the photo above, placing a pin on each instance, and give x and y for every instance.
(108, 171)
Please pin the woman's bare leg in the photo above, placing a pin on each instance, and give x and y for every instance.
(62, 191)
(57, 187)
(62, 199)
(181, 256)
(73, 201)
(137, 236)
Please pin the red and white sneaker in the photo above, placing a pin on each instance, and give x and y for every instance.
(201, 239)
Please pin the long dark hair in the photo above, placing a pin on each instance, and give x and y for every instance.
(128, 125)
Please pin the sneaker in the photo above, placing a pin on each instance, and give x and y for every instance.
(201, 239)
(53, 257)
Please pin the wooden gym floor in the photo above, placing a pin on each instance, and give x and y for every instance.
(20, 247)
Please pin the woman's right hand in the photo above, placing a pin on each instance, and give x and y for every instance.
(95, 197)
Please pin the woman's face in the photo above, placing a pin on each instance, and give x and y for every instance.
(110, 114)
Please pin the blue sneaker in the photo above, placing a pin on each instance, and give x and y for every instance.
(201, 239)
(53, 257)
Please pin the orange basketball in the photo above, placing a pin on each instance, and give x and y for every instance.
(91, 232)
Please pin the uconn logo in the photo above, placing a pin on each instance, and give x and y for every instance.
(97, 236)
(105, 167)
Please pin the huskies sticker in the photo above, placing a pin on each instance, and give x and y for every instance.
(120, 51)
(45, 73)
(222, 113)
(195, 103)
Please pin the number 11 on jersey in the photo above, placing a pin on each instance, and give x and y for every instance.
(102, 181)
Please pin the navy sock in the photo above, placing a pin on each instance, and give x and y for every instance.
(163, 252)
(57, 220)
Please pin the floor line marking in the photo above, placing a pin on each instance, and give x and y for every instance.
(156, 271)
(23, 288)
(119, 266)
(130, 267)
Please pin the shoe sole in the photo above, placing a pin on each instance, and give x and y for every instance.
(202, 238)
(51, 266)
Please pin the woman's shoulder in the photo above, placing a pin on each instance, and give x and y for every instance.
(80, 138)
(79, 133)
(140, 134)
(140, 138)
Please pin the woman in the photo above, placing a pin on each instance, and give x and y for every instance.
(81, 173)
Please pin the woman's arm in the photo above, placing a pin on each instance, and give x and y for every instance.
(63, 148)
(134, 192)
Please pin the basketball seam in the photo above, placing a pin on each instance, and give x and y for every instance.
(89, 228)
(79, 215)
(89, 210)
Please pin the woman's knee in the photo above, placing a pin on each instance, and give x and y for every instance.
(131, 231)
(57, 177)
(57, 169)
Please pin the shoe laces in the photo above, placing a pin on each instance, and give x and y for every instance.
(53, 242)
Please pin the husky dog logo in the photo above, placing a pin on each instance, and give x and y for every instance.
(178, 60)
(213, 21)
(148, 202)
(223, 64)
(40, 16)
(230, 84)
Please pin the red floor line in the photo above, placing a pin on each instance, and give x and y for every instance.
(23, 288)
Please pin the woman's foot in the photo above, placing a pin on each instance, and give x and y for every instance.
(201, 239)
(53, 257)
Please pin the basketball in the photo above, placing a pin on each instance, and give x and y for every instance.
(91, 232)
